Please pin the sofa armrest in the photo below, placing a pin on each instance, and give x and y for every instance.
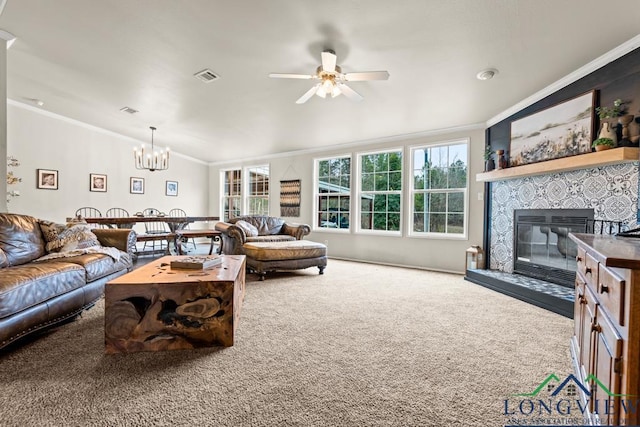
(296, 230)
(232, 231)
(120, 238)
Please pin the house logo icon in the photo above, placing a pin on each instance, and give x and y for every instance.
(568, 387)
(565, 401)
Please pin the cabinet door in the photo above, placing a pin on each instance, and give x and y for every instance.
(607, 351)
(587, 322)
(577, 309)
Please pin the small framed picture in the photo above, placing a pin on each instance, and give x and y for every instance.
(136, 185)
(97, 182)
(172, 188)
(47, 179)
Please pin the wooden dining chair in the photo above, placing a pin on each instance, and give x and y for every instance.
(119, 213)
(158, 228)
(89, 212)
(116, 213)
(177, 212)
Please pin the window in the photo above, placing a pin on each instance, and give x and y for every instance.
(232, 196)
(258, 192)
(381, 190)
(334, 193)
(245, 197)
(439, 189)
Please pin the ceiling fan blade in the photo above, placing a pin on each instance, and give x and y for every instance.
(367, 75)
(349, 93)
(308, 94)
(290, 76)
(328, 61)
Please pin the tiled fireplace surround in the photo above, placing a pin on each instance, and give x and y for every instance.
(611, 191)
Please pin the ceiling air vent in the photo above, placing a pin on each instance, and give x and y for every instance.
(128, 110)
(206, 75)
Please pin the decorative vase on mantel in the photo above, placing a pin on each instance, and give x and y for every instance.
(489, 165)
(625, 120)
(606, 131)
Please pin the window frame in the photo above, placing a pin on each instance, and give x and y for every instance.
(246, 189)
(412, 191)
(316, 194)
(223, 193)
(359, 192)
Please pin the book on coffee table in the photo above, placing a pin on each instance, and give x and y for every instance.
(197, 262)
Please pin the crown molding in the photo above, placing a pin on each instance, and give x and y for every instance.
(592, 66)
(93, 128)
(382, 140)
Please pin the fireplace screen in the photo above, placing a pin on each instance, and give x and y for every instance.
(542, 244)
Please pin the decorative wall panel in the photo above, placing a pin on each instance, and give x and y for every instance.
(611, 191)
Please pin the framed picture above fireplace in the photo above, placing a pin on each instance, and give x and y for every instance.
(562, 130)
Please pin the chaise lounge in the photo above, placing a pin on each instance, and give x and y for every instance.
(271, 244)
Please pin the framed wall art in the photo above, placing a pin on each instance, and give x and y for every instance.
(136, 185)
(47, 179)
(171, 188)
(98, 182)
(562, 130)
(290, 198)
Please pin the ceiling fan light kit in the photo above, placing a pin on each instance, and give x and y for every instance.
(332, 80)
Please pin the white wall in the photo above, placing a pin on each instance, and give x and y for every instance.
(440, 254)
(46, 141)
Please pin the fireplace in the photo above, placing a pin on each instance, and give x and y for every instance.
(543, 249)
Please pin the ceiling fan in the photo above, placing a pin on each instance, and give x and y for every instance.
(331, 79)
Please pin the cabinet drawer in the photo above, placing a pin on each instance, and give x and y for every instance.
(610, 293)
(590, 271)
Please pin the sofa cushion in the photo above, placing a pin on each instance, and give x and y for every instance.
(271, 238)
(249, 229)
(297, 249)
(97, 266)
(24, 286)
(264, 224)
(20, 238)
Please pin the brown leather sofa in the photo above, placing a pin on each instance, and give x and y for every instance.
(271, 244)
(35, 295)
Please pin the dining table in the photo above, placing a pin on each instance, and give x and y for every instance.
(175, 223)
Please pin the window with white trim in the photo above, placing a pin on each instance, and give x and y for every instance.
(232, 194)
(380, 191)
(245, 192)
(439, 189)
(333, 187)
(257, 200)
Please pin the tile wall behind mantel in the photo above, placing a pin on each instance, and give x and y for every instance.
(612, 191)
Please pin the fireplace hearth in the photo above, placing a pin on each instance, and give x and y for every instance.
(542, 246)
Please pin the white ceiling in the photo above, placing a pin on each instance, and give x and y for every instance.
(88, 58)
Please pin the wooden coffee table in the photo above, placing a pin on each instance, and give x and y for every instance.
(158, 308)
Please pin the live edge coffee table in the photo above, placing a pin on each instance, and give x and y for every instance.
(157, 308)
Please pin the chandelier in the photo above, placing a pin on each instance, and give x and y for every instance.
(152, 161)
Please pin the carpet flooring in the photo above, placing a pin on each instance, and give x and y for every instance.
(361, 345)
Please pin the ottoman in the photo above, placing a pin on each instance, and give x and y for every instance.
(288, 255)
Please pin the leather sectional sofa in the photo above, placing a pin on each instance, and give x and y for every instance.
(35, 295)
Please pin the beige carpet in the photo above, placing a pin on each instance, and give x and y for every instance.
(362, 345)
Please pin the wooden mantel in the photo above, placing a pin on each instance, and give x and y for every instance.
(582, 161)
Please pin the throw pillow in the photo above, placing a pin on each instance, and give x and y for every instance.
(4, 262)
(50, 231)
(74, 236)
(249, 229)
